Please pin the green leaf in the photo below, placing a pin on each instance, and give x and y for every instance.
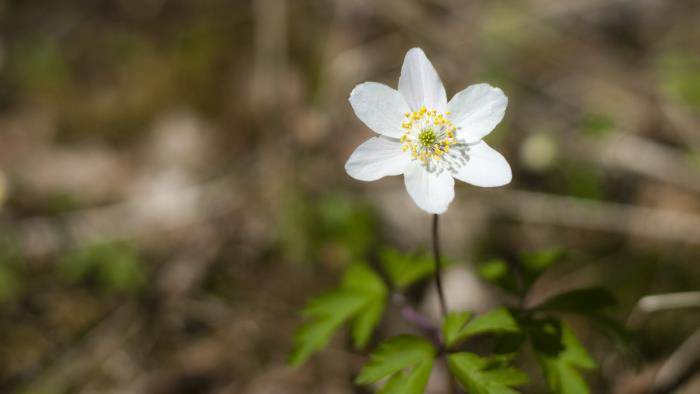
(591, 302)
(597, 124)
(678, 72)
(560, 355)
(497, 320)
(406, 360)
(324, 314)
(498, 272)
(493, 270)
(535, 263)
(404, 270)
(539, 261)
(453, 325)
(347, 222)
(361, 279)
(481, 375)
(360, 300)
(112, 266)
(585, 301)
(457, 327)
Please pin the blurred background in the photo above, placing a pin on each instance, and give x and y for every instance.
(172, 186)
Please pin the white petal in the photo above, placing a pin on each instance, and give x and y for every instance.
(431, 191)
(376, 158)
(420, 84)
(485, 167)
(380, 107)
(477, 110)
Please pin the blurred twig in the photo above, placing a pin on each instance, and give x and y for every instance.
(596, 215)
(680, 366)
(658, 302)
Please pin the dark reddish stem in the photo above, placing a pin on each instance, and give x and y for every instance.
(438, 267)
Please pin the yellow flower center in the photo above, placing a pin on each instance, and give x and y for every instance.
(428, 135)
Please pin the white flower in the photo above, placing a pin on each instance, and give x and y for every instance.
(427, 139)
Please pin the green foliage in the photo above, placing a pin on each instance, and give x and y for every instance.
(360, 279)
(10, 275)
(560, 356)
(584, 301)
(535, 263)
(360, 299)
(680, 78)
(336, 225)
(591, 303)
(559, 353)
(113, 267)
(349, 222)
(405, 269)
(498, 273)
(39, 65)
(579, 180)
(393, 358)
(530, 266)
(597, 124)
(458, 327)
(453, 325)
(692, 158)
(404, 363)
(485, 375)
(493, 270)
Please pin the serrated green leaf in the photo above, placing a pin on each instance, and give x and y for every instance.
(560, 355)
(481, 375)
(406, 269)
(413, 382)
(331, 303)
(406, 360)
(324, 314)
(584, 301)
(359, 300)
(365, 321)
(453, 325)
(495, 321)
(362, 279)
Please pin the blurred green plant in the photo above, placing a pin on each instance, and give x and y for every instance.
(597, 124)
(578, 179)
(336, 223)
(404, 270)
(391, 360)
(39, 65)
(360, 299)
(679, 76)
(403, 364)
(558, 352)
(113, 267)
(11, 278)
(485, 375)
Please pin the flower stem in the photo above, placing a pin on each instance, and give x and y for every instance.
(453, 389)
(438, 266)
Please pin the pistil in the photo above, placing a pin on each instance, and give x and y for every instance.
(428, 135)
